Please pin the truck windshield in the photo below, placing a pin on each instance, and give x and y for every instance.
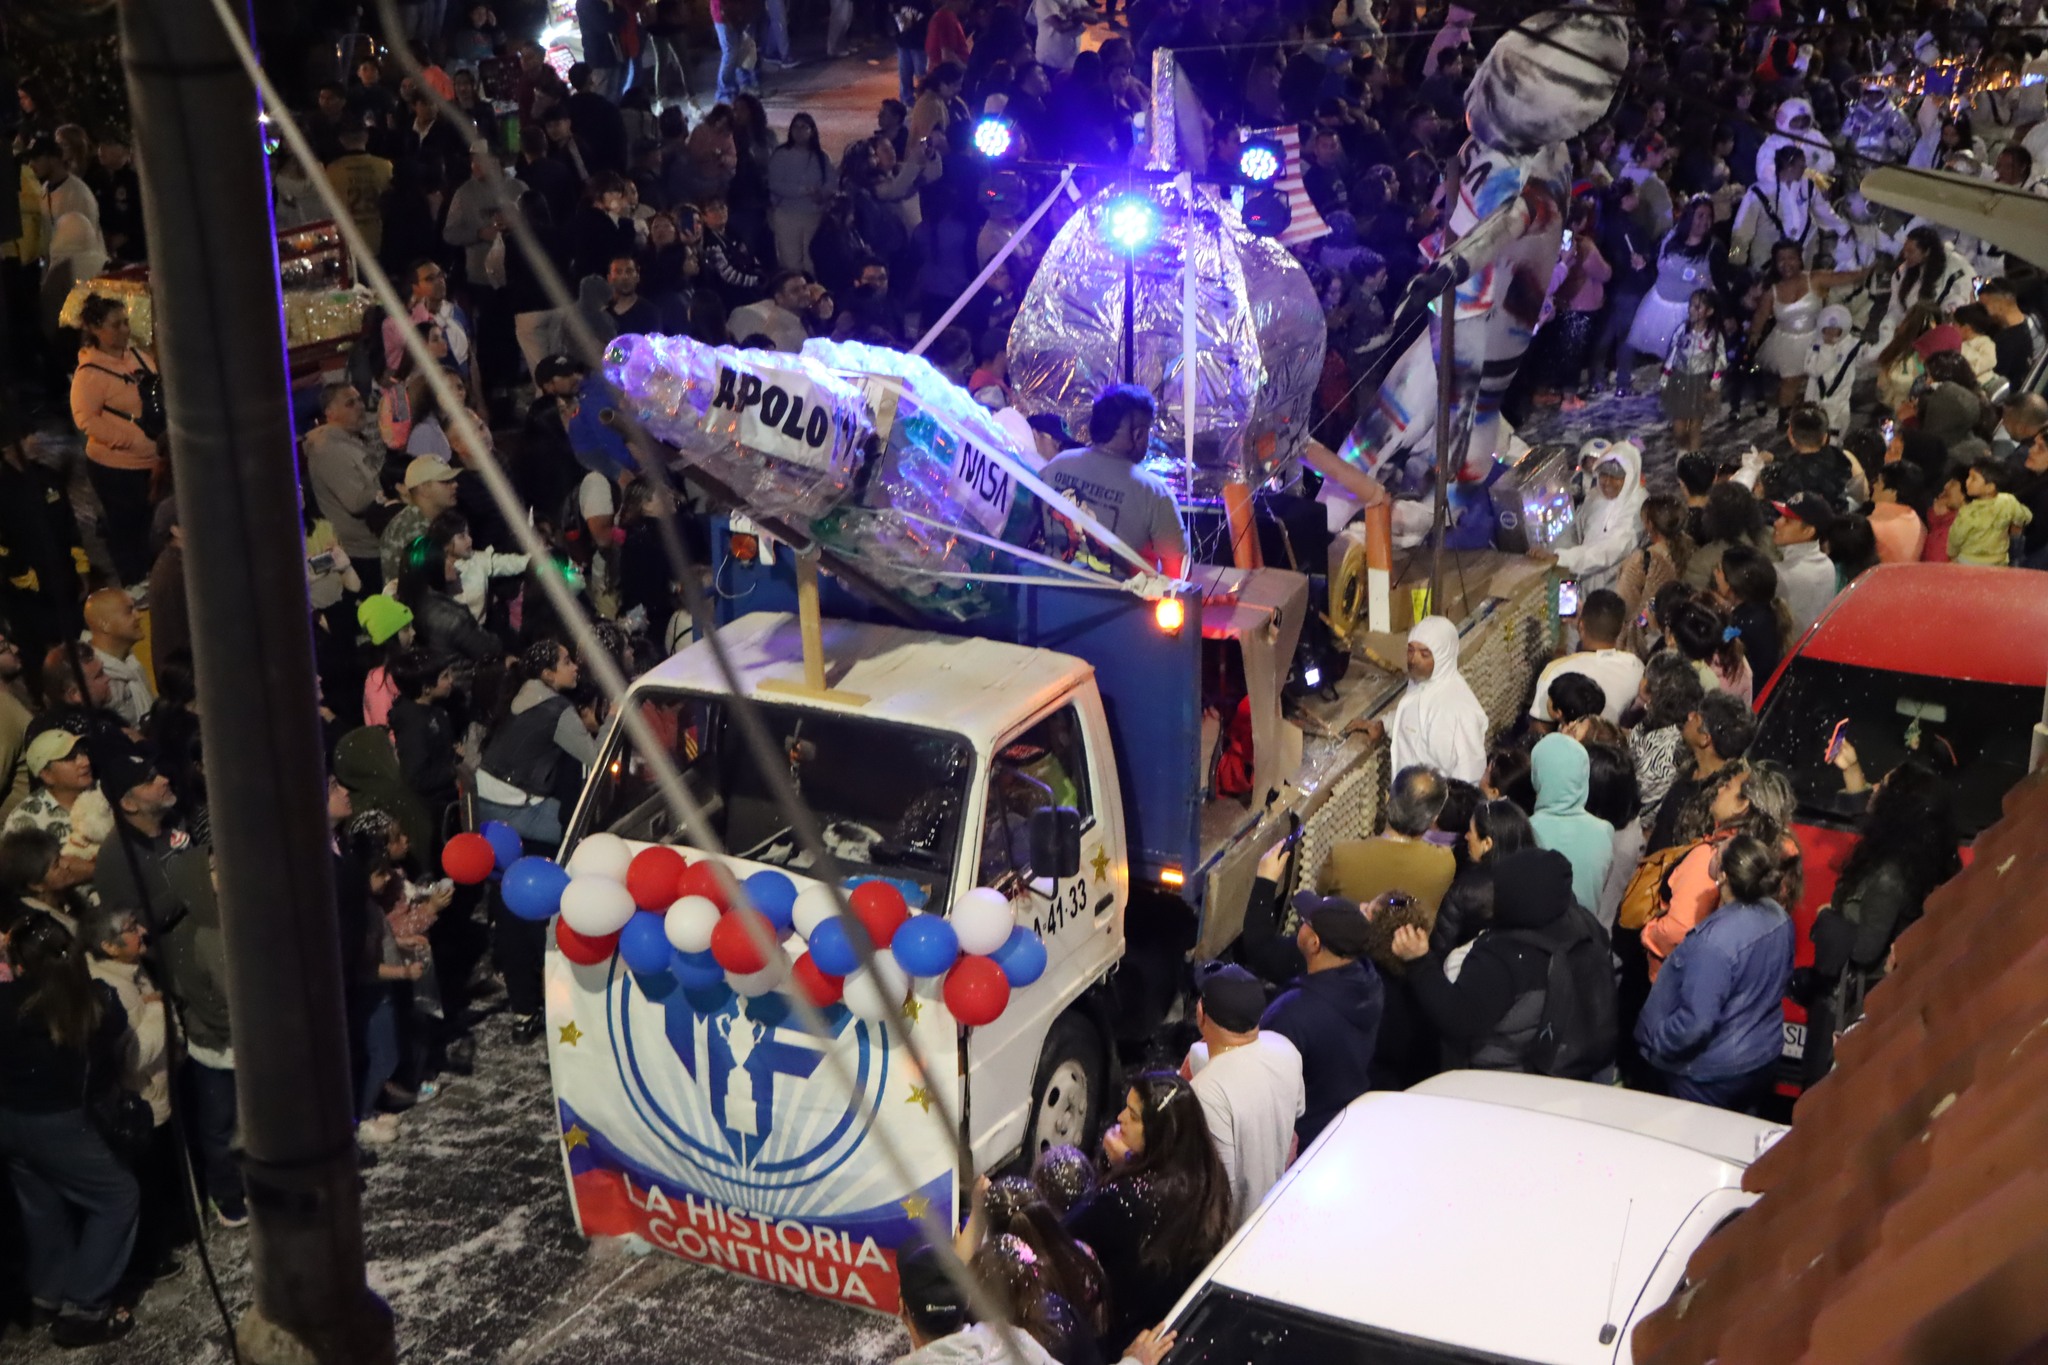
(1227, 1327)
(889, 796)
(1975, 732)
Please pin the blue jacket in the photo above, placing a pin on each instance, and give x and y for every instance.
(1333, 1020)
(1716, 1009)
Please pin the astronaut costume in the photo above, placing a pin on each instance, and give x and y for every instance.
(1833, 367)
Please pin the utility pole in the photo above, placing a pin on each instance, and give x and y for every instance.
(220, 342)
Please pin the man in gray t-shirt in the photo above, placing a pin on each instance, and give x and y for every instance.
(1107, 481)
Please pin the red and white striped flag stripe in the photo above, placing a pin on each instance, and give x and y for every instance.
(1306, 224)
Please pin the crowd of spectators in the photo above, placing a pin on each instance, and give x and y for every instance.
(1717, 233)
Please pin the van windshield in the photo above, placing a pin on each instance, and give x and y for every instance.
(889, 796)
(1227, 1327)
(1977, 733)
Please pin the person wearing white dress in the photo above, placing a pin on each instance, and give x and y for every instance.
(1789, 316)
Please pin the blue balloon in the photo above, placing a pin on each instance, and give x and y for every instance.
(533, 888)
(710, 999)
(925, 945)
(831, 949)
(774, 895)
(655, 985)
(1022, 956)
(504, 841)
(696, 971)
(644, 944)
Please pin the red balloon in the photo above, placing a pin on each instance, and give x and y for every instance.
(880, 909)
(468, 859)
(581, 949)
(652, 876)
(820, 987)
(733, 944)
(702, 878)
(977, 990)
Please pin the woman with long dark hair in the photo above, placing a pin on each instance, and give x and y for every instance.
(800, 184)
(1689, 259)
(1666, 548)
(1670, 692)
(1929, 275)
(1016, 1207)
(61, 1035)
(1747, 587)
(1162, 1210)
(1905, 848)
(1498, 828)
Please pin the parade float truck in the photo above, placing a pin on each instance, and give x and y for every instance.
(1060, 754)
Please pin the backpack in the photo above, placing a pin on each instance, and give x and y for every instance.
(1649, 886)
(1579, 1023)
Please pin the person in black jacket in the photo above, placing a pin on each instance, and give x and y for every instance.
(1161, 1211)
(446, 631)
(1331, 1013)
(427, 752)
(1906, 847)
(61, 1033)
(1490, 1015)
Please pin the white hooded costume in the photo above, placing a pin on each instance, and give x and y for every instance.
(1439, 722)
(1819, 155)
(1832, 367)
(1769, 214)
(1610, 529)
(1952, 283)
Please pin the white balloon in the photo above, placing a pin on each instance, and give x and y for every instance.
(606, 856)
(871, 995)
(594, 907)
(814, 905)
(758, 983)
(982, 921)
(689, 923)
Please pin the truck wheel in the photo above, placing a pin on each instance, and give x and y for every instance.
(1067, 1094)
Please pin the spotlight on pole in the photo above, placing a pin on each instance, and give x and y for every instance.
(1131, 222)
(995, 137)
(1260, 159)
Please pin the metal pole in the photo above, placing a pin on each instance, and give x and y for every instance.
(1130, 317)
(1446, 374)
(220, 340)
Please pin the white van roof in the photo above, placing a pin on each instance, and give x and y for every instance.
(977, 688)
(1492, 1222)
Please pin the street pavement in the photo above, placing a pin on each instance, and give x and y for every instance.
(470, 1240)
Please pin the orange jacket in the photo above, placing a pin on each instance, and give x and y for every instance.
(1694, 894)
(101, 393)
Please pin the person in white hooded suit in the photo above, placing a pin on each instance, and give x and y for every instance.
(1610, 521)
(1795, 129)
(1438, 722)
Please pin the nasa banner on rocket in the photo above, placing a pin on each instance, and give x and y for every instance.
(737, 1139)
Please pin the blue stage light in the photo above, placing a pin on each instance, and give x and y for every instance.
(1260, 160)
(994, 138)
(1131, 222)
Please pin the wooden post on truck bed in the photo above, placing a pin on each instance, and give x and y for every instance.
(811, 626)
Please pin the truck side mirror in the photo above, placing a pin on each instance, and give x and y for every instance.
(1056, 842)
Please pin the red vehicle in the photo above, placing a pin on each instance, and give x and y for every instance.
(1912, 656)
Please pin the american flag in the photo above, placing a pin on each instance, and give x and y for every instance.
(1306, 224)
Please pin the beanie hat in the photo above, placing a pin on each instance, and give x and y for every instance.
(1531, 888)
(383, 617)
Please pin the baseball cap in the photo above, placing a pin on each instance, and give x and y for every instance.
(382, 616)
(932, 1300)
(51, 746)
(1810, 508)
(132, 769)
(44, 145)
(557, 366)
(427, 469)
(1341, 925)
(1232, 996)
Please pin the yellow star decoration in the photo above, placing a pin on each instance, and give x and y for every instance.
(1100, 864)
(921, 1096)
(917, 1206)
(575, 1137)
(570, 1034)
(911, 1007)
